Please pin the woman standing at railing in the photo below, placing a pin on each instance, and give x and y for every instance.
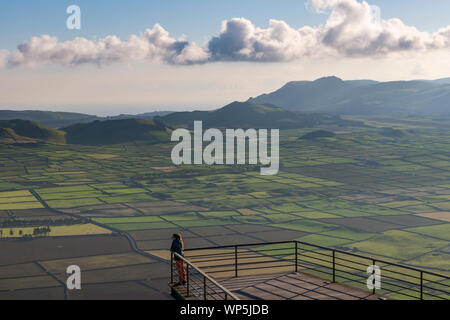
(177, 247)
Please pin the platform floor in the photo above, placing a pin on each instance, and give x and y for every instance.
(293, 286)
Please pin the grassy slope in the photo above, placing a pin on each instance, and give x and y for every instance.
(117, 131)
(24, 130)
(48, 118)
(250, 115)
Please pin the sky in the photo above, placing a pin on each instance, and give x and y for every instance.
(145, 55)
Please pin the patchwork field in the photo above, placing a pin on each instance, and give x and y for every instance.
(37, 269)
(359, 191)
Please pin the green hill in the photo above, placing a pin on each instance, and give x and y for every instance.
(116, 132)
(250, 115)
(26, 131)
(65, 119)
(318, 134)
(363, 97)
(48, 118)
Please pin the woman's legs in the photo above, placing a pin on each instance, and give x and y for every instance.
(181, 272)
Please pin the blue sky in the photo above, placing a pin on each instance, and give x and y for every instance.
(82, 71)
(197, 19)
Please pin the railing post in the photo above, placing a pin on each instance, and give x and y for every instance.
(235, 261)
(187, 280)
(204, 288)
(421, 285)
(296, 256)
(334, 265)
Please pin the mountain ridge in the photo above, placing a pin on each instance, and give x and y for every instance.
(116, 132)
(250, 115)
(60, 119)
(362, 97)
(90, 134)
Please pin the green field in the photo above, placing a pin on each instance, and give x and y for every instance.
(55, 231)
(359, 191)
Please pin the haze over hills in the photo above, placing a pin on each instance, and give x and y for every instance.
(64, 119)
(298, 104)
(251, 115)
(363, 97)
(48, 118)
(143, 116)
(330, 95)
(106, 132)
(442, 81)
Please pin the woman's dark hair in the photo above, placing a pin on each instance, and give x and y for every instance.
(178, 236)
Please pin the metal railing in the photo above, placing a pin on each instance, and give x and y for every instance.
(198, 284)
(397, 281)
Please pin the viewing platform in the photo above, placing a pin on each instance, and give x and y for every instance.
(293, 286)
(295, 270)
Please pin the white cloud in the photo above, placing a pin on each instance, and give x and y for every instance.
(154, 45)
(441, 39)
(350, 31)
(241, 40)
